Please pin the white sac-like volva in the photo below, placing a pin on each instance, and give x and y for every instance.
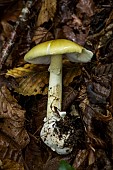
(52, 137)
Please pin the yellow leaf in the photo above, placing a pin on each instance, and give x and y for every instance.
(21, 71)
(33, 84)
(47, 11)
(32, 79)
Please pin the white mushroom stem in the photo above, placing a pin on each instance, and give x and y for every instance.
(55, 85)
(50, 132)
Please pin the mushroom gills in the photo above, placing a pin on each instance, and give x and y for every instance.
(83, 57)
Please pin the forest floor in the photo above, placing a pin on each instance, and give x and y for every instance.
(87, 87)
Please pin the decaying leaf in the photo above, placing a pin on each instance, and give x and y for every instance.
(80, 158)
(11, 15)
(7, 28)
(71, 73)
(8, 164)
(86, 7)
(93, 114)
(47, 11)
(105, 69)
(32, 79)
(41, 34)
(21, 71)
(39, 110)
(9, 149)
(34, 156)
(69, 95)
(13, 117)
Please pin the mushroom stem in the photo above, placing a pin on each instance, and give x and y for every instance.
(55, 85)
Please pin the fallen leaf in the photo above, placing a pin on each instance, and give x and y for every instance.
(13, 117)
(69, 95)
(21, 71)
(80, 158)
(31, 79)
(35, 155)
(11, 16)
(70, 74)
(65, 11)
(86, 7)
(8, 164)
(93, 113)
(47, 11)
(39, 111)
(69, 33)
(6, 2)
(9, 149)
(7, 28)
(41, 34)
(105, 69)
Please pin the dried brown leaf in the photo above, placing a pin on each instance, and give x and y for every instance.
(39, 111)
(80, 158)
(70, 74)
(95, 96)
(31, 79)
(65, 11)
(11, 15)
(35, 155)
(6, 2)
(103, 69)
(13, 118)
(104, 80)
(101, 158)
(92, 117)
(8, 164)
(69, 33)
(101, 90)
(69, 95)
(54, 162)
(94, 113)
(9, 149)
(7, 28)
(86, 7)
(111, 95)
(21, 71)
(47, 11)
(110, 133)
(41, 34)
(40, 158)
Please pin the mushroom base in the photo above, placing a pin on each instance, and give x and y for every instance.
(53, 137)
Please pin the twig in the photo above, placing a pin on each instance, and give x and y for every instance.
(7, 47)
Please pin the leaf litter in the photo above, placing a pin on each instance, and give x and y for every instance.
(87, 88)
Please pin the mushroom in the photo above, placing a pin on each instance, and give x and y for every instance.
(51, 52)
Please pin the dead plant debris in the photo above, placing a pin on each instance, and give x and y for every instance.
(87, 88)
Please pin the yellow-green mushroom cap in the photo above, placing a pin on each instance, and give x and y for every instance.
(41, 53)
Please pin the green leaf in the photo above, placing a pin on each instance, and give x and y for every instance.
(65, 166)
